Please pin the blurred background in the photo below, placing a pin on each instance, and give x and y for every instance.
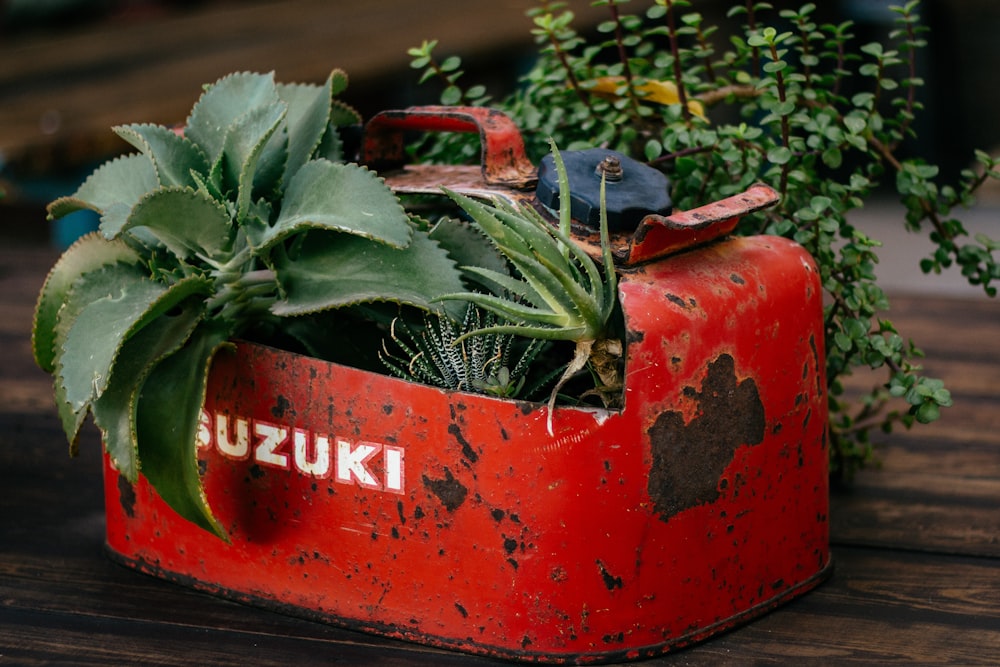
(71, 69)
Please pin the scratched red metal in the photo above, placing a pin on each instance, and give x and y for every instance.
(457, 520)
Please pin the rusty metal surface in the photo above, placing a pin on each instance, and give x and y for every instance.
(503, 162)
(457, 520)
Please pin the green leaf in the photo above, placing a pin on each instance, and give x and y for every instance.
(188, 222)
(174, 157)
(467, 246)
(325, 195)
(335, 270)
(246, 141)
(89, 253)
(779, 155)
(87, 288)
(222, 103)
(121, 181)
(307, 120)
(167, 425)
(115, 410)
(98, 332)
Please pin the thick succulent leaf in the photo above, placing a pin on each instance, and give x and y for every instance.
(102, 282)
(167, 424)
(502, 285)
(335, 270)
(115, 410)
(96, 336)
(325, 195)
(246, 141)
(123, 180)
(520, 313)
(308, 117)
(188, 222)
(174, 157)
(89, 253)
(222, 103)
(337, 81)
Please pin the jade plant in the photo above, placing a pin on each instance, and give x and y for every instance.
(770, 96)
(243, 223)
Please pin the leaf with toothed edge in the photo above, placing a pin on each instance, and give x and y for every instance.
(174, 157)
(330, 196)
(89, 253)
(186, 221)
(115, 411)
(96, 336)
(167, 425)
(222, 103)
(123, 180)
(335, 270)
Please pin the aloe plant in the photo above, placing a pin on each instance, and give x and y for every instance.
(246, 216)
(559, 292)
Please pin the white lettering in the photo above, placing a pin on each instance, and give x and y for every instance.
(240, 449)
(204, 430)
(319, 466)
(393, 461)
(272, 437)
(352, 463)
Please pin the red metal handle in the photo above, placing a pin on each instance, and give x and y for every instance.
(659, 235)
(503, 159)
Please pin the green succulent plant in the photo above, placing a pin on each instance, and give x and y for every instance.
(558, 291)
(223, 229)
(439, 354)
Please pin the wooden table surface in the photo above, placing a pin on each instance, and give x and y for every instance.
(62, 91)
(916, 544)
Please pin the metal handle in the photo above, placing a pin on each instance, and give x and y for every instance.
(659, 235)
(503, 158)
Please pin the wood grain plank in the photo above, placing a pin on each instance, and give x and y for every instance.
(72, 87)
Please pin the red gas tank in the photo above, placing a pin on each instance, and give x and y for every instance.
(458, 520)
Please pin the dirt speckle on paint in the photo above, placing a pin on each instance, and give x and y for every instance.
(689, 459)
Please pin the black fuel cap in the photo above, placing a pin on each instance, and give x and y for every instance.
(634, 190)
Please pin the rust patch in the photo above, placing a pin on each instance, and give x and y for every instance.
(126, 496)
(467, 450)
(449, 490)
(689, 459)
(610, 582)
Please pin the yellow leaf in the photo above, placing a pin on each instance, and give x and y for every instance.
(658, 92)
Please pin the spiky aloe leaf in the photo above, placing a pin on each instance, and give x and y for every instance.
(188, 222)
(335, 270)
(339, 197)
(167, 425)
(115, 410)
(122, 181)
(89, 253)
(222, 103)
(174, 157)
